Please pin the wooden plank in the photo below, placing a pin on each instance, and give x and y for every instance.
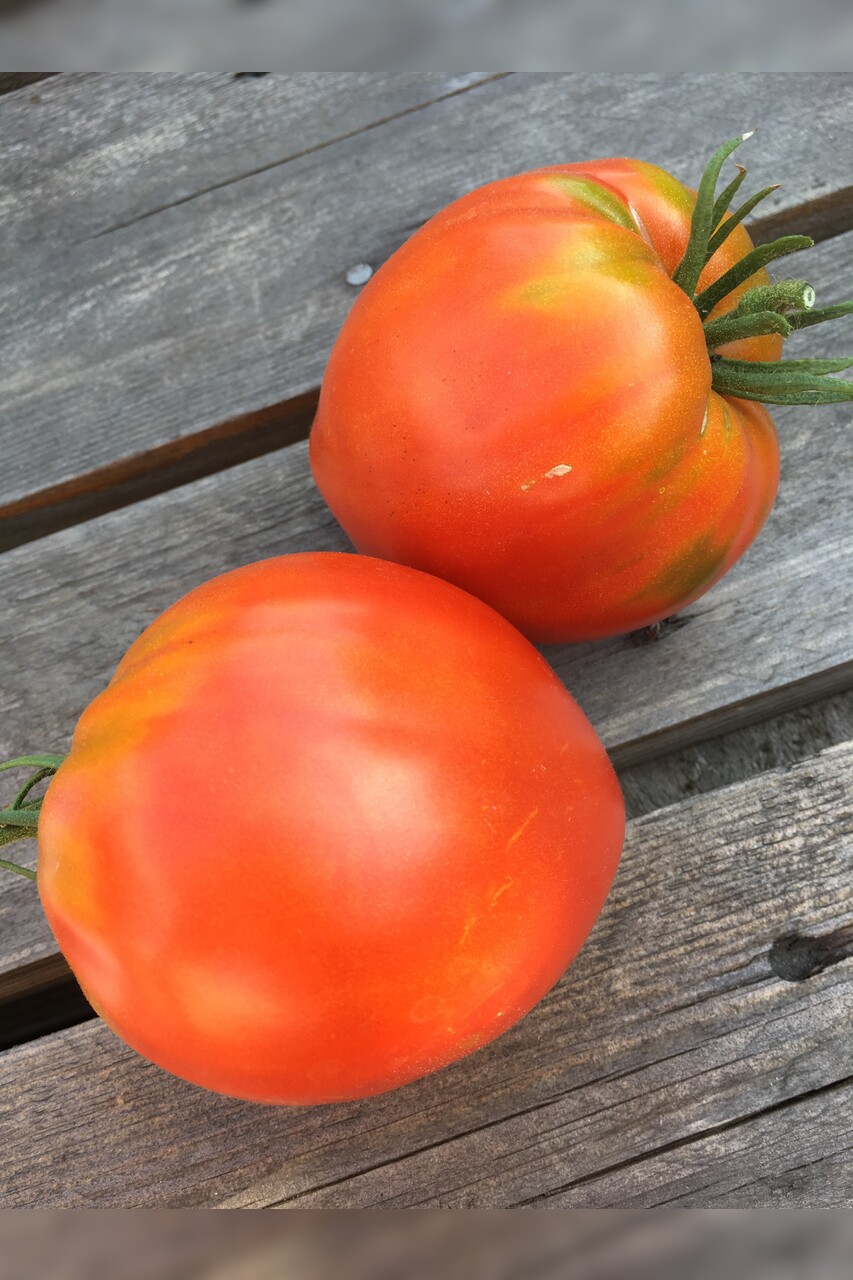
(92, 152)
(746, 650)
(225, 303)
(97, 151)
(798, 1153)
(673, 1022)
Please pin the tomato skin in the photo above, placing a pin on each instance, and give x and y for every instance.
(520, 402)
(333, 824)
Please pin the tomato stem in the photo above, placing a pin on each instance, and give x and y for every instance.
(19, 820)
(760, 311)
(787, 295)
(764, 309)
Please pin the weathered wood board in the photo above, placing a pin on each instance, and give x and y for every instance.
(216, 305)
(91, 152)
(672, 1031)
(793, 1154)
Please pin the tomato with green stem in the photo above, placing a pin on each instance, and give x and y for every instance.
(333, 824)
(551, 395)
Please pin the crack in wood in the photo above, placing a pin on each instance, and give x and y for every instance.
(542, 1105)
(677, 1143)
(300, 155)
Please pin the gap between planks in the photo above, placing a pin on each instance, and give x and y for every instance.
(346, 136)
(40, 998)
(228, 443)
(158, 470)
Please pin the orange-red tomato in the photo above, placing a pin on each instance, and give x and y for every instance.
(520, 401)
(333, 824)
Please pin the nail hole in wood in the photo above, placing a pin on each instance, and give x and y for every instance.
(797, 957)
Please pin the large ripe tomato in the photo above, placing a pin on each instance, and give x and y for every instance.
(521, 401)
(333, 824)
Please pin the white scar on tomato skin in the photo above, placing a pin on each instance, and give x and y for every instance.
(521, 830)
(502, 890)
(561, 469)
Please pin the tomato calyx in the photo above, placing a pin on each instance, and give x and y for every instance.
(765, 309)
(19, 820)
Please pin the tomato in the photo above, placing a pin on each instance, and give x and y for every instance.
(521, 402)
(333, 824)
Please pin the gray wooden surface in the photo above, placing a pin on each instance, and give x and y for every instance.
(180, 247)
(790, 1153)
(670, 1029)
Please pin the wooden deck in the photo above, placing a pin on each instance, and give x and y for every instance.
(174, 274)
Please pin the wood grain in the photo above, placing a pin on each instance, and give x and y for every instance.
(794, 1154)
(165, 289)
(671, 1025)
(96, 151)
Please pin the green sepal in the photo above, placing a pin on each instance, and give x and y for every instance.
(770, 308)
(688, 271)
(746, 268)
(33, 762)
(725, 229)
(732, 327)
(19, 820)
(8, 835)
(804, 319)
(723, 201)
(25, 818)
(782, 381)
(27, 788)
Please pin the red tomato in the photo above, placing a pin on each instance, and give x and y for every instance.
(333, 824)
(520, 402)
